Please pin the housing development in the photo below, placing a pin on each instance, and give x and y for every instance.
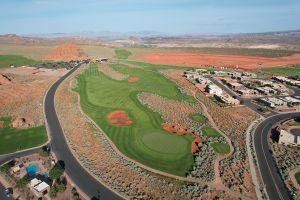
(147, 115)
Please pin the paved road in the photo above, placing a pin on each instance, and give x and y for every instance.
(246, 102)
(87, 183)
(274, 185)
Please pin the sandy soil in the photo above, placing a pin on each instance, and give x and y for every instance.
(133, 79)
(22, 95)
(66, 52)
(1, 124)
(119, 118)
(197, 60)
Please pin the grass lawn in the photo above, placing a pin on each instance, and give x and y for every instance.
(211, 132)
(145, 140)
(297, 175)
(12, 139)
(198, 118)
(122, 53)
(286, 71)
(16, 60)
(221, 148)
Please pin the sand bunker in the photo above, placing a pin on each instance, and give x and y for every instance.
(119, 118)
(1, 124)
(133, 79)
(66, 52)
(230, 61)
(22, 122)
(181, 130)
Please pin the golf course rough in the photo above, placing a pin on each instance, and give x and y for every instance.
(144, 140)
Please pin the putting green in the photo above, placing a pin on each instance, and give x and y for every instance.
(145, 140)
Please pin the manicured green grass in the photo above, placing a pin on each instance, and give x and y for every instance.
(198, 118)
(145, 140)
(221, 148)
(16, 60)
(297, 175)
(286, 71)
(12, 139)
(211, 132)
(122, 53)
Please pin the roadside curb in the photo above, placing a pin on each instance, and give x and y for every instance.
(249, 141)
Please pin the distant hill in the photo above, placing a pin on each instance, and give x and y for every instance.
(271, 40)
(66, 52)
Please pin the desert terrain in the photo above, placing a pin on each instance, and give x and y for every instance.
(219, 61)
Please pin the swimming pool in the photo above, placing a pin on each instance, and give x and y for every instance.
(32, 169)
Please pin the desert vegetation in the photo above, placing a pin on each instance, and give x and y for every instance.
(287, 158)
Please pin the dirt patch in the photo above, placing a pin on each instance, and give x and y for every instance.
(133, 79)
(66, 52)
(230, 61)
(181, 130)
(22, 122)
(1, 124)
(119, 118)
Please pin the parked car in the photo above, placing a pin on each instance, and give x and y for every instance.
(8, 192)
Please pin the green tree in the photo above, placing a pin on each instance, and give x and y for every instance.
(56, 172)
(4, 168)
(22, 183)
(61, 187)
(53, 192)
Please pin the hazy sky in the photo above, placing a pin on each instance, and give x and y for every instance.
(170, 16)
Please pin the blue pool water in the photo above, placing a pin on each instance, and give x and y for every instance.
(32, 169)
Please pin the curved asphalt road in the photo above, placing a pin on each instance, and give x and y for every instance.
(274, 185)
(87, 183)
